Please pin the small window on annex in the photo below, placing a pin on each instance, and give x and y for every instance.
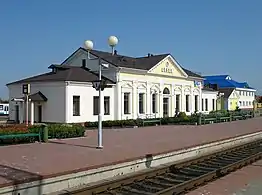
(76, 105)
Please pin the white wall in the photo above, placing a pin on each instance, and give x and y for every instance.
(209, 95)
(86, 93)
(136, 83)
(53, 110)
(246, 98)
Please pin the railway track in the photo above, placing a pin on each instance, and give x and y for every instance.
(177, 178)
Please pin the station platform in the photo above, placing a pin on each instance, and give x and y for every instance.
(43, 168)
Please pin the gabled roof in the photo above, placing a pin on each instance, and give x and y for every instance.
(227, 91)
(142, 63)
(76, 73)
(64, 73)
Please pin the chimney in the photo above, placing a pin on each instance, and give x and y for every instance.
(115, 52)
(83, 62)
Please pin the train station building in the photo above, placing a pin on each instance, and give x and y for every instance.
(136, 87)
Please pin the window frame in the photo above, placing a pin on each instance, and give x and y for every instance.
(106, 100)
(76, 105)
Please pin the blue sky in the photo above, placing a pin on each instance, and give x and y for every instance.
(211, 37)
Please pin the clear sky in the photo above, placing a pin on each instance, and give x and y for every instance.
(207, 36)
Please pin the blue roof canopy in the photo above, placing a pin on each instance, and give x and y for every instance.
(224, 81)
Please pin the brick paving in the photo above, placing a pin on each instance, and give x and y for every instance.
(30, 161)
(245, 181)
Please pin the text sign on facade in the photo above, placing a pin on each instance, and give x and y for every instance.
(167, 69)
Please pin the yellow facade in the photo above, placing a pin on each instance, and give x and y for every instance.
(167, 68)
(166, 74)
(233, 103)
(162, 73)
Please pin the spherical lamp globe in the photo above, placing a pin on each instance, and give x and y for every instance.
(112, 41)
(88, 45)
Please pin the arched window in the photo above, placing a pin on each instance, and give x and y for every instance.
(166, 91)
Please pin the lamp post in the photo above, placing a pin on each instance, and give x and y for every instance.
(112, 41)
(99, 85)
(89, 46)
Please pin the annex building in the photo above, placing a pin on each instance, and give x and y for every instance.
(136, 87)
(236, 94)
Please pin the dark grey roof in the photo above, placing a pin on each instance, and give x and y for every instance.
(38, 97)
(208, 89)
(64, 73)
(143, 63)
(73, 73)
(227, 91)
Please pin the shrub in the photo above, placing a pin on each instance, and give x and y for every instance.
(182, 115)
(58, 131)
(61, 131)
(183, 119)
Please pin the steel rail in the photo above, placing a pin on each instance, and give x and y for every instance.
(176, 178)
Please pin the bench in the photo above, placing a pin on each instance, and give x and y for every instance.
(152, 121)
(21, 135)
(236, 117)
(208, 119)
(247, 116)
(224, 118)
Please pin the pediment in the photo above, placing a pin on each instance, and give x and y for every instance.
(168, 67)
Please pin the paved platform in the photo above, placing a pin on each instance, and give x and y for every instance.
(59, 157)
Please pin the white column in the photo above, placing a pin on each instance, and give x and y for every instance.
(21, 112)
(160, 100)
(183, 100)
(118, 102)
(148, 99)
(172, 101)
(200, 100)
(204, 104)
(32, 114)
(134, 101)
(192, 101)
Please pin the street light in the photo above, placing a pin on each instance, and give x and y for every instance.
(100, 85)
(112, 41)
(89, 46)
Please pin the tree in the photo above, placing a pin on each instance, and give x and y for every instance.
(3, 101)
(259, 99)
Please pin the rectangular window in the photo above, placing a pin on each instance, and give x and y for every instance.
(178, 103)
(153, 103)
(196, 103)
(95, 105)
(106, 105)
(213, 104)
(126, 103)
(187, 103)
(76, 105)
(202, 102)
(1, 107)
(141, 103)
(206, 104)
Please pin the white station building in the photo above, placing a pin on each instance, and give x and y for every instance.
(137, 87)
